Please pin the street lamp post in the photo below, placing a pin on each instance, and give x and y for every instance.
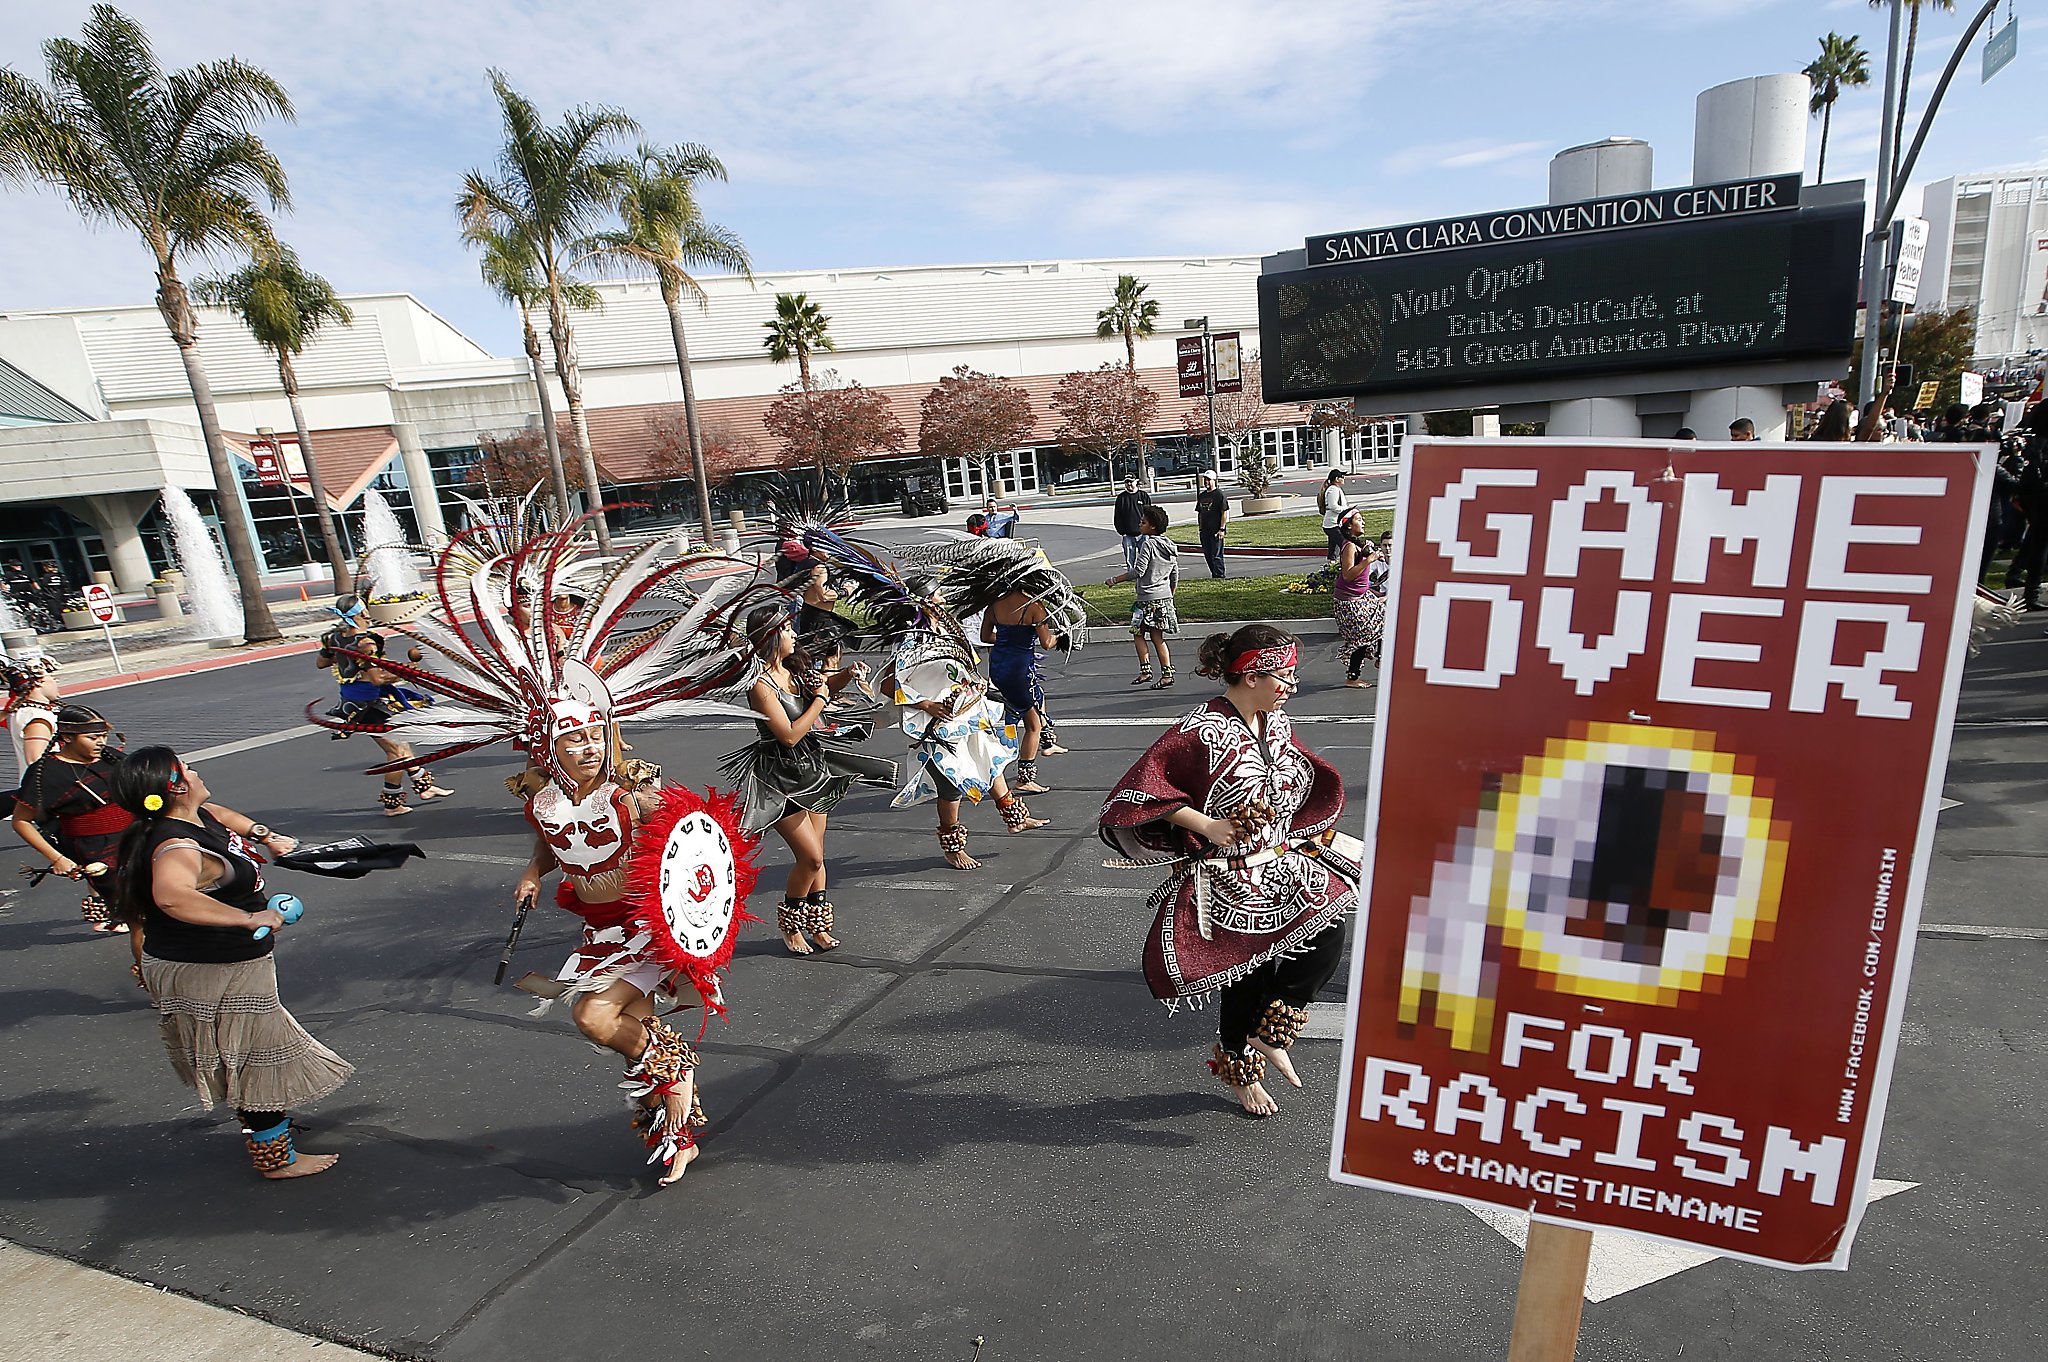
(1201, 324)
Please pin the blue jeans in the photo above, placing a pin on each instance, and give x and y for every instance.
(1131, 552)
(1212, 549)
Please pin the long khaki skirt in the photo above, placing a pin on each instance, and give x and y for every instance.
(231, 1039)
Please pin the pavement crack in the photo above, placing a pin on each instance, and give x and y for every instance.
(540, 1260)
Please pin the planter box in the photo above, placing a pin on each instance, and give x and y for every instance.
(1262, 505)
(398, 612)
(82, 619)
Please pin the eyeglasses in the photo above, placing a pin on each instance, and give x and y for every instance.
(1286, 678)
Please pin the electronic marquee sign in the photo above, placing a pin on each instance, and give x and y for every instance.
(1703, 276)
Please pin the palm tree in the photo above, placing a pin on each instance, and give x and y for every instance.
(1132, 315)
(799, 329)
(285, 306)
(1906, 71)
(666, 232)
(509, 271)
(173, 158)
(554, 187)
(1842, 62)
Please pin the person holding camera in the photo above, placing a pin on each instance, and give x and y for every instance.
(1155, 569)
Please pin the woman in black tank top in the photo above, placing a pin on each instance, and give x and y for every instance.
(189, 875)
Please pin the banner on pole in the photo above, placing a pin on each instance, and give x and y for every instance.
(269, 461)
(1661, 736)
(1193, 366)
(1909, 256)
(1229, 363)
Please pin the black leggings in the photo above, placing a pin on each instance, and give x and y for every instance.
(1360, 655)
(1294, 979)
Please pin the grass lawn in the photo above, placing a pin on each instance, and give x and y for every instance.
(1276, 532)
(1207, 598)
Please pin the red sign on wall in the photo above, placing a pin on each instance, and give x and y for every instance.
(1662, 729)
(1193, 367)
(269, 461)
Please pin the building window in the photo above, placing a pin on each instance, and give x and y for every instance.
(1015, 469)
(1379, 442)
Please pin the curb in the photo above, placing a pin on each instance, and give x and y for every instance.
(193, 667)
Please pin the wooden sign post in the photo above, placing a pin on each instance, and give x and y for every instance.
(1552, 1293)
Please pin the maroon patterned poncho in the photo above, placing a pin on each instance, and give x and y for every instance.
(1223, 912)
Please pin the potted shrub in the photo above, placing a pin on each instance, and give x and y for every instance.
(1255, 475)
(398, 608)
(76, 616)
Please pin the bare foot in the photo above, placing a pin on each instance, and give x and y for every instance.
(1052, 749)
(1355, 684)
(825, 941)
(1279, 1060)
(1030, 823)
(1255, 1100)
(304, 1165)
(431, 792)
(960, 860)
(684, 1158)
(1032, 787)
(796, 943)
(398, 811)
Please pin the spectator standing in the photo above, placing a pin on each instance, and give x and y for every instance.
(1834, 425)
(1153, 619)
(1333, 504)
(1128, 518)
(1742, 429)
(2033, 504)
(1212, 513)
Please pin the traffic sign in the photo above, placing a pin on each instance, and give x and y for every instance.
(100, 601)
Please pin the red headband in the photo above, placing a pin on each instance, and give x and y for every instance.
(1277, 659)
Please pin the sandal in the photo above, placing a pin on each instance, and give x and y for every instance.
(1165, 680)
(1143, 678)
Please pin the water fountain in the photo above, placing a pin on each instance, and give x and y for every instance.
(216, 608)
(395, 592)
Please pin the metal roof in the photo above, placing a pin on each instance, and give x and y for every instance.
(23, 397)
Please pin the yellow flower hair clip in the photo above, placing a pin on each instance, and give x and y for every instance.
(153, 802)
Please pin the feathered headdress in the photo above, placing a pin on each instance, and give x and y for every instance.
(528, 670)
(975, 573)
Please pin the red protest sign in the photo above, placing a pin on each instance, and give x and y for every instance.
(1661, 735)
(1193, 367)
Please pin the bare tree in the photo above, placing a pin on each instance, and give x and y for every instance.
(1103, 412)
(975, 416)
(830, 425)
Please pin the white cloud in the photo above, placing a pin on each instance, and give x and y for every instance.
(1465, 155)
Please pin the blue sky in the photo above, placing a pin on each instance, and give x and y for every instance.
(891, 133)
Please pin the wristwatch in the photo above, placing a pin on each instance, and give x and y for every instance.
(258, 832)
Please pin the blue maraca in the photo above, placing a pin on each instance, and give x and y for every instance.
(286, 906)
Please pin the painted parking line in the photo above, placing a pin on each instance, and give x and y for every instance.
(478, 858)
(228, 749)
(1064, 721)
(1965, 931)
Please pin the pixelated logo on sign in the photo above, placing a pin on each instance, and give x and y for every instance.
(1631, 864)
(1661, 728)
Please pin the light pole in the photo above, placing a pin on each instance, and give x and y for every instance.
(1201, 324)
